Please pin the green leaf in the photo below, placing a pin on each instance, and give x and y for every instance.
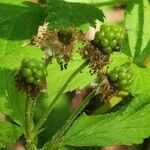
(63, 14)
(146, 53)
(137, 22)
(9, 133)
(126, 48)
(56, 78)
(13, 101)
(130, 125)
(117, 59)
(12, 60)
(141, 81)
(19, 20)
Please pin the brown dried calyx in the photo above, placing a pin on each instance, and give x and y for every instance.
(97, 58)
(54, 44)
(105, 89)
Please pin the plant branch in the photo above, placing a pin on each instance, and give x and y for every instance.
(29, 123)
(54, 143)
(49, 109)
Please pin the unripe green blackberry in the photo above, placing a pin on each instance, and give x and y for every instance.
(121, 77)
(109, 38)
(33, 71)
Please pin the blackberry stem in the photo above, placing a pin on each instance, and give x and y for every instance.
(29, 124)
(57, 139)
(51, 106)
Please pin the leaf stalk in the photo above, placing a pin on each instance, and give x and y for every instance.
(51, 106)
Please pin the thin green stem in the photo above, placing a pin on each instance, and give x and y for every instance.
(29, 124)
(28, 111)
(49, 109)
(54, 143)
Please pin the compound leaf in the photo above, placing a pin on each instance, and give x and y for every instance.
(130, 125)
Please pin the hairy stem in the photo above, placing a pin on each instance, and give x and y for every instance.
(29, 124)
(49, 109)
(54, 143)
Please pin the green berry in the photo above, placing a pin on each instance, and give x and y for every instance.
(103, 27)
(122, 37)
(38, 74)
(120, 29)
(123, 69)
(114, 76)
(128, 76)
(107, 29)
(31, 64)
(123, 83)
(104, 42)
(37, 82)
(107, 50)
(113, 43)
(34, 70)
(122, 75)
(44, 74)
(118, 36)
(27, 72)
(30, 80)
(40, 65)
(109, 35)
(114, 30)
(99, 34)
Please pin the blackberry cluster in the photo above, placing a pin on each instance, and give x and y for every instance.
(33, 71)
(121, 77)
(109, 38)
